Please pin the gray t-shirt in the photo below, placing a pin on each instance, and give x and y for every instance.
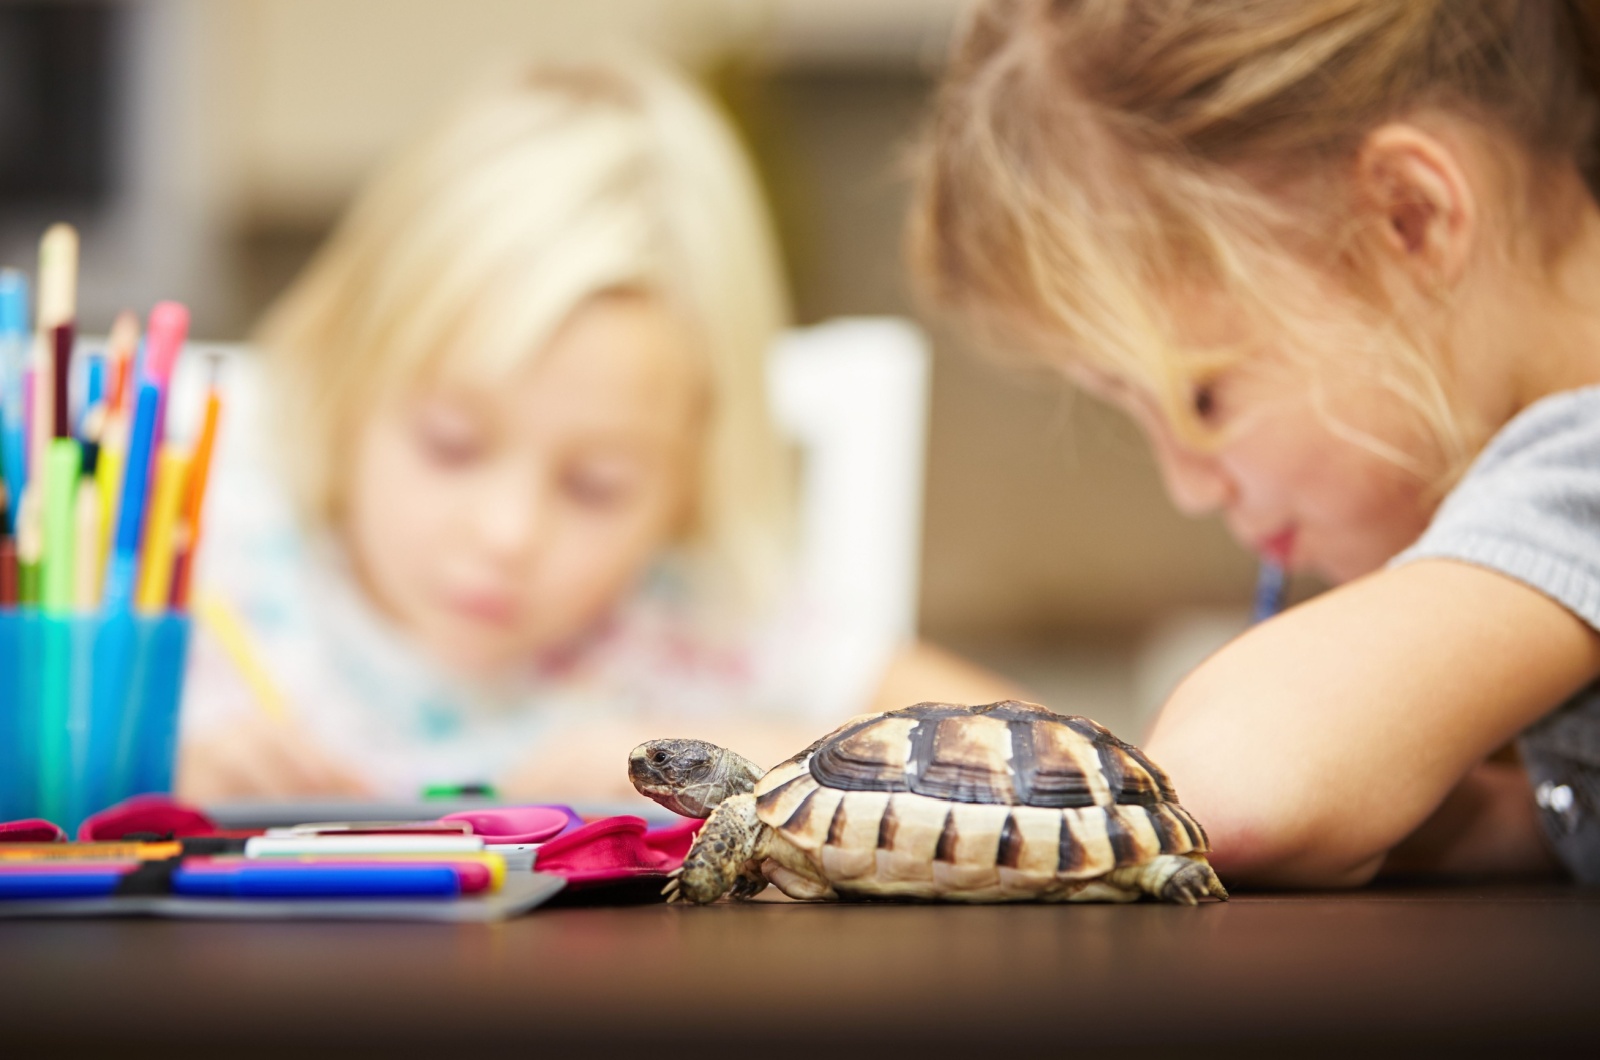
(1529, 507)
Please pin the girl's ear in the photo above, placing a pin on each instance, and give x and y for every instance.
(1418, 192)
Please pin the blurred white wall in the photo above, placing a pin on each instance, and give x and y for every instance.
(321, 89)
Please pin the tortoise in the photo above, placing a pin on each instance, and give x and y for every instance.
(1007, 801)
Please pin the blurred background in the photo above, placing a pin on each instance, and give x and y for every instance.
(205, 147)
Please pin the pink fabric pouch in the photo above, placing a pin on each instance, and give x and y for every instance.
(32, 830)
(146, 815)
(616, 849)
(611, 850)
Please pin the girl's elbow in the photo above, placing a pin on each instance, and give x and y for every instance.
(1270, 823)
(1273, 831)
(1285, 853)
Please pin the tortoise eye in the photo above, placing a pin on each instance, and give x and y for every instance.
(659, 758)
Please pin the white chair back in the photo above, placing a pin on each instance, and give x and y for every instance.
(852, 395)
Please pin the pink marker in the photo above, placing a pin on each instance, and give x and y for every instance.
(169, 327)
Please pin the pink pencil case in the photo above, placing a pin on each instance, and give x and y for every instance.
(611, 850)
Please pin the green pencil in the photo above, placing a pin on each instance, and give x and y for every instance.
(60, 494)
(30, 546)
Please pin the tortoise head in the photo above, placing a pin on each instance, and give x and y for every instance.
(690, 777)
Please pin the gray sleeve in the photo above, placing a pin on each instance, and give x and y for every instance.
(1529, 507)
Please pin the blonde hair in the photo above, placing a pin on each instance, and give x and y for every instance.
(1089, 159)
(469, 251)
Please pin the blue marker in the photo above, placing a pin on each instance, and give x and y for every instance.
(13, 364)
(94, 388)
(396, 880)
(64, 884)
(247, 881)
(122, 569)
(1270, 585)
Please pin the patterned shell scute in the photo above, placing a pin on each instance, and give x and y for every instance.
(1007, 753)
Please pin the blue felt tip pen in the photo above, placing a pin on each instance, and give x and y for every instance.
(122, 569)
(248, 881)
(64, 884)
(1270, 585)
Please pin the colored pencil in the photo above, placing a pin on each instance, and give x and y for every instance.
(169, 326)
(188, 542)
(41, 407)
(108, 482)
(123, 567)
(30, 543)
(62, 338)
(58, 299)
(62, 483)
(155, 562)
(58, 276)
(86, 544)
(121, 347)
(225, 627)
(94, 391)
(1270, 589)
(13, 386)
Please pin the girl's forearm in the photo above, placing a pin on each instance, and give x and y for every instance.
(1316, 743)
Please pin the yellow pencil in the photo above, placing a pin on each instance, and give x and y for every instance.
(108, 480)
(155, 565)
(120, 350)
(219, 619)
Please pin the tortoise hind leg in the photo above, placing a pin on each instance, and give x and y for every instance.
(1171, 878)
(726, 856)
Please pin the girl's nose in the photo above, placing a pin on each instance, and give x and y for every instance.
(1197, 483)
(507, 519)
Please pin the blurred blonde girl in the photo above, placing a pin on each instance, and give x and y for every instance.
(1341, 260)
(515, 502)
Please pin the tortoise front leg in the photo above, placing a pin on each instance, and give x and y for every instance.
(726, 855)
(749, 884)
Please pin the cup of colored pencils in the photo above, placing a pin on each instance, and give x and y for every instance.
(99, 523)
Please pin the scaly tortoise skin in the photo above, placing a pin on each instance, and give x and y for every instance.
(1004, 802)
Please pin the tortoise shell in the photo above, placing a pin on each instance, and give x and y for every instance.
(944, 799)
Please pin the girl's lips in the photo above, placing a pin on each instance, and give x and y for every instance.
(484, 608)
(1279, 548)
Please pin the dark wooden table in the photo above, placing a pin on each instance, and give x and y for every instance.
(1481, 971)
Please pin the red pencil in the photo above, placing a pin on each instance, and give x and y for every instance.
(8, 571)
(63, 335)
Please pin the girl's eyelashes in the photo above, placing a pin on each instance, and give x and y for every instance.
(448, 438)
(598, 487)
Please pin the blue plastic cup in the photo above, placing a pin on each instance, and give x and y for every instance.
(88, 710)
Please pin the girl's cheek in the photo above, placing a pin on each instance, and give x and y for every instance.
(602, 552)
